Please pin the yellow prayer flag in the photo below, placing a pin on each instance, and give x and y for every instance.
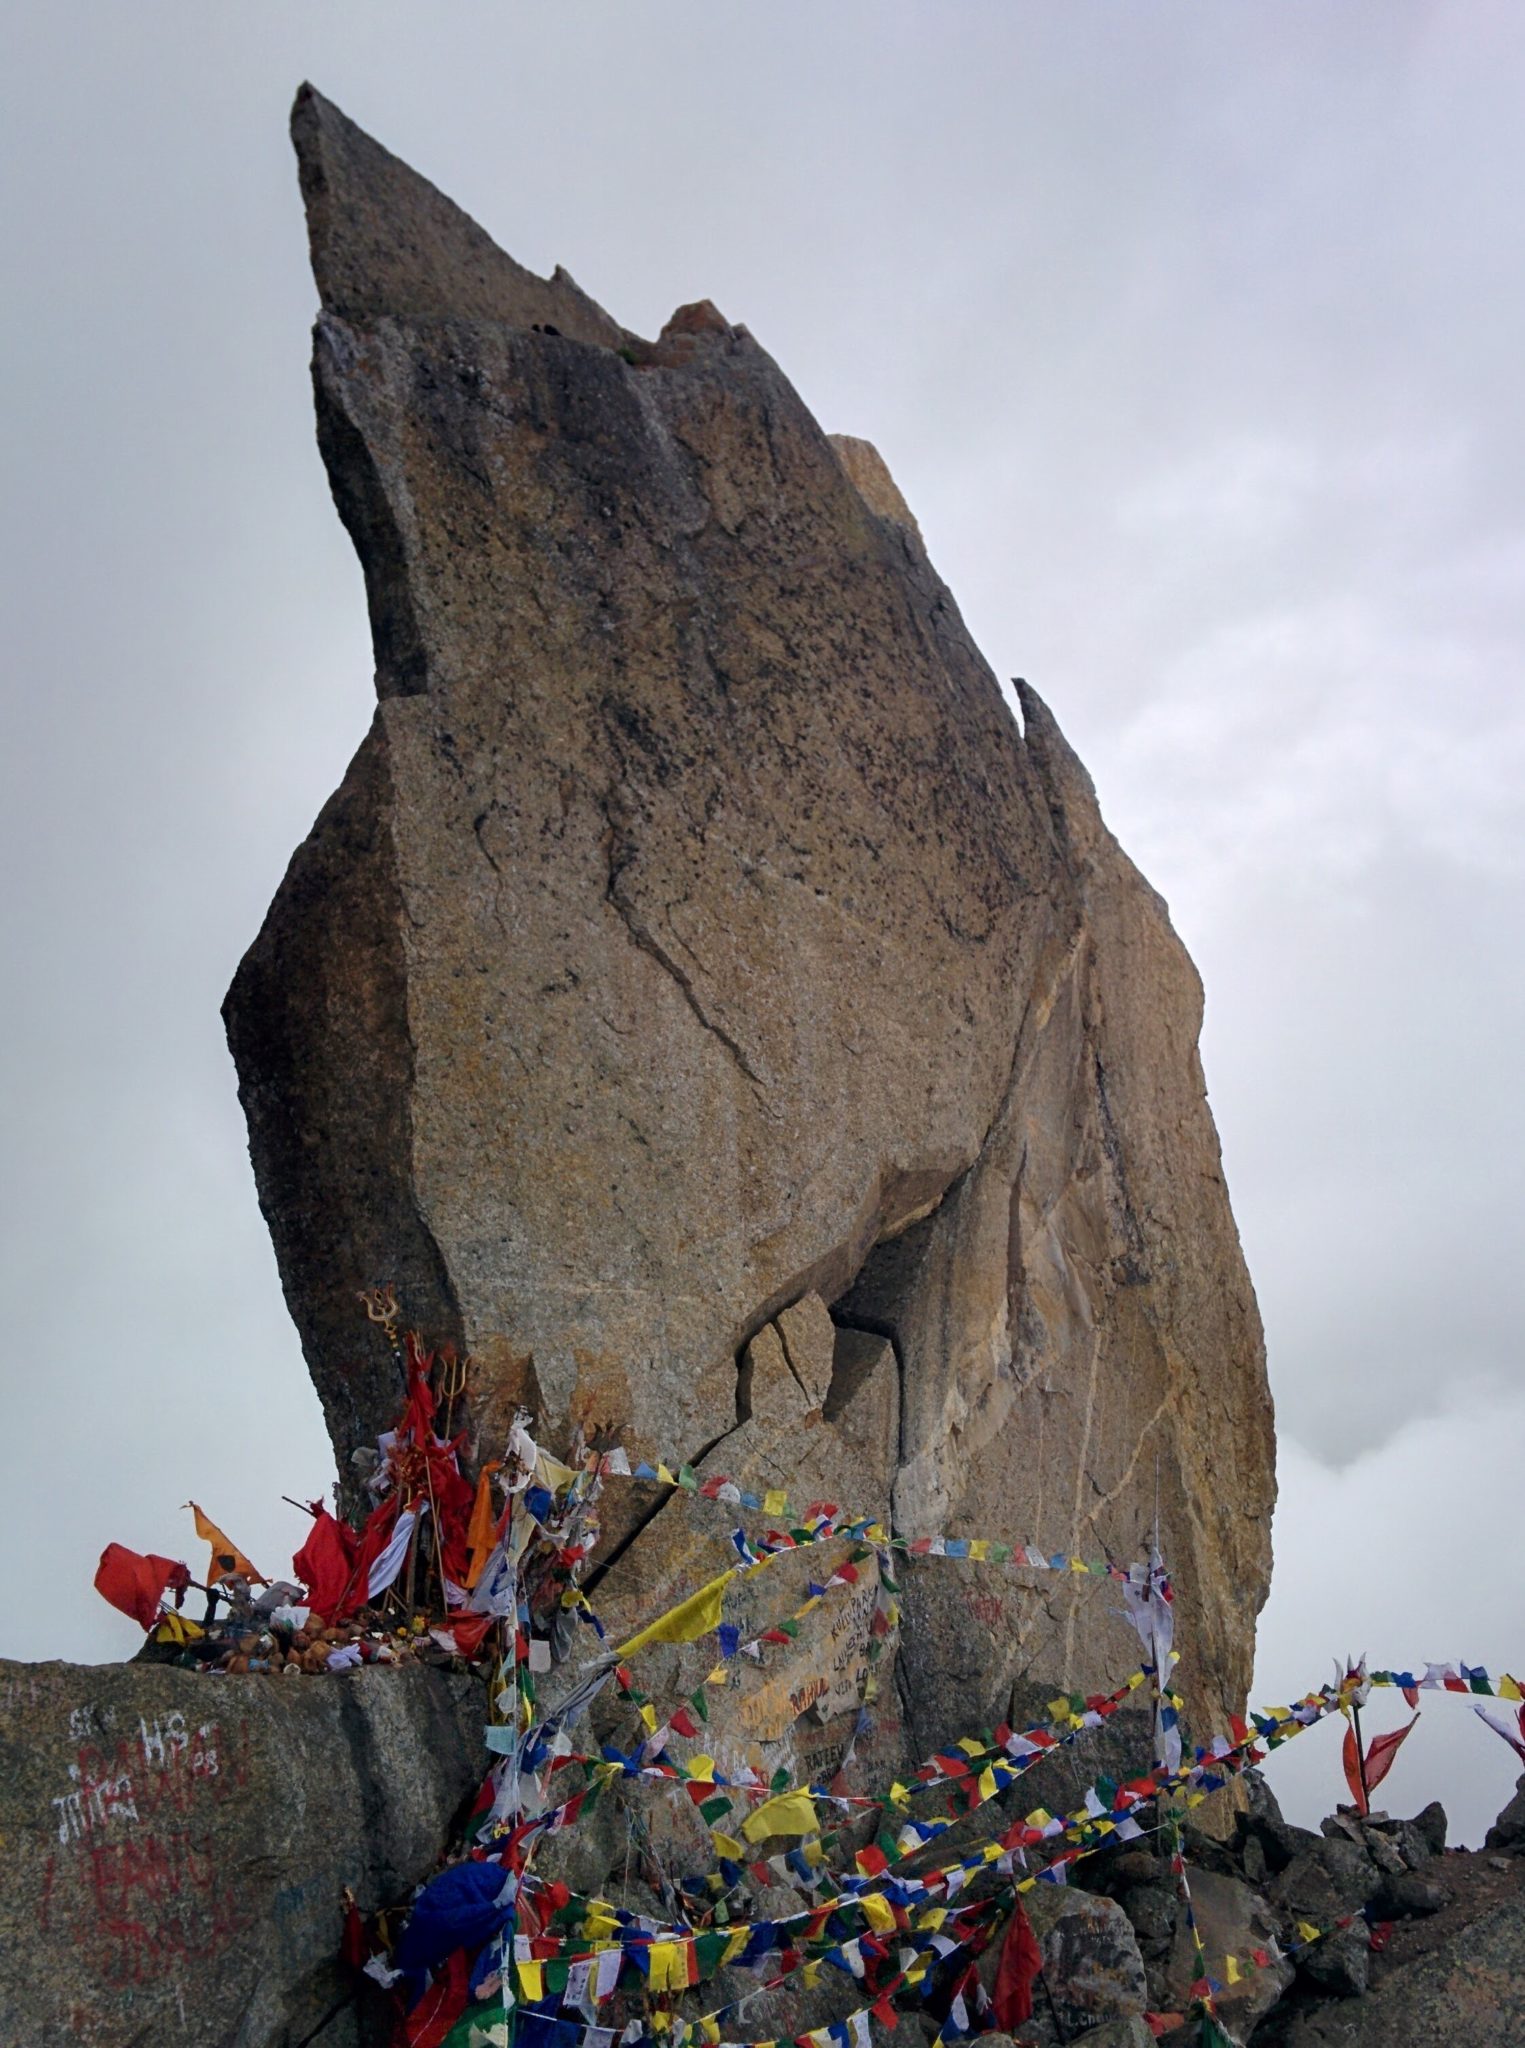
(979, 1548)
(531, 1981)
(775, 1502)
(702, 1768)
(227, 1558)
(690, 1619)
(729, 1847)
(878, 1912)
(1508, 1688)
(810, 1975)
(1232, 1969)
(791, 1813)
(667, 1478)
(987, 1783)
(1306, 1931)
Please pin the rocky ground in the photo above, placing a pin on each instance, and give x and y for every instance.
(1434, 1948)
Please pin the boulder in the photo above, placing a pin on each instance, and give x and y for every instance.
(1232, 1921)
(177, 1846)
(697, 939)
(1408, 1896)
(1430, 1825)
(1092, 1970)
(1508, 1831)
(1322, 1883)
(1340, 1964)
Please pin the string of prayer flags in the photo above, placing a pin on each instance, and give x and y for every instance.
(828, 1519)
(1464, 1678)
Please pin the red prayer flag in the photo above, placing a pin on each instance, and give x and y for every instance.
(441, 2005)
(1016, 1973)
(354, 1949)
(135, 1584)
(1380, 1752)
(324, 1563)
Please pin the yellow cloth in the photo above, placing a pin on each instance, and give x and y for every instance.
(878, 1912)
(177, 1628)
(227, 1558)
(531, 1981)
(791, 1813)
(691, 1618)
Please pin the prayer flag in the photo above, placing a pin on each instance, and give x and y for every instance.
(227, 1558)
(135, 1584)
(1016, 1971)
(685, 1623)
(1380, 1752)
(790, 1813)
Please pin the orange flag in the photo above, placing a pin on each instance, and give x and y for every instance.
(227, 1558)
(483, 1532)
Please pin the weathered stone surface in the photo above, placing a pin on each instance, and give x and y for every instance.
(1430, 1824)
(1508, 1831)
(1092, 1969)
(1408, 1896)
(1232, 1921)
(1471, 1989)
(696, 933)
(176, 1846)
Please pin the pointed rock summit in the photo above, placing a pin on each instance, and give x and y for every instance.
(714, 1012)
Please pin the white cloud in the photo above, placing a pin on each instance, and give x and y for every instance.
(1410, 1553)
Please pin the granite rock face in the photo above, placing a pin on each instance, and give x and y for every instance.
(697, 942)
(177, 1846)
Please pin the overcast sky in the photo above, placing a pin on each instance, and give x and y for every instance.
(1193, 334)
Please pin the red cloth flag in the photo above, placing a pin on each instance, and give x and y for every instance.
(441, 2005)
(1016, 1972)
(325, 1563)
(1380, 1752)
(135, 1584)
